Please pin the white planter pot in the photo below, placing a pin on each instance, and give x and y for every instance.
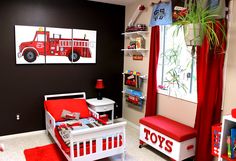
(192, 34)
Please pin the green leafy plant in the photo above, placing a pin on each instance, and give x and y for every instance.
(173, 78)
(203, 18)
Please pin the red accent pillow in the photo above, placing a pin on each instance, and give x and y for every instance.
(55, 107)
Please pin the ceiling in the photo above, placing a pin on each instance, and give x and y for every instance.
(119, 2)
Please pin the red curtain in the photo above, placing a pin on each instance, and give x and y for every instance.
(151, 105)
(210, 63)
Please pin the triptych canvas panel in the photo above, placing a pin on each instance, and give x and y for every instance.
(40, 45)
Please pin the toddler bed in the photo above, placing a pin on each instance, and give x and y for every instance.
(79, 132)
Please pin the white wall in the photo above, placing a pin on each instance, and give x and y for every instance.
(229, 101)
(130, 112)
(177, 109)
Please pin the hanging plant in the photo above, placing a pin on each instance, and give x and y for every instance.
(199, 22)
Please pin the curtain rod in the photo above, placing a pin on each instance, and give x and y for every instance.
(159, 1)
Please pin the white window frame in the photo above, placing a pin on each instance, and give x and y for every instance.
(40, 38)
(191, 95)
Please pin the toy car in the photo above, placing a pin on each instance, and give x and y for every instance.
(138, 27)
(141, 27)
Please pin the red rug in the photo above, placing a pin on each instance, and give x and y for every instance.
(49, 152)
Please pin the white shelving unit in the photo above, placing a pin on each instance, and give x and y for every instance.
(228, 123)
(131, 36)
(135, 45)
(130, 52)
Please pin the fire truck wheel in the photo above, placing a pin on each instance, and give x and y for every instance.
(74, 57)
(30, 56)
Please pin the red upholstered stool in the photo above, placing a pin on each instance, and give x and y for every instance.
(172, 138)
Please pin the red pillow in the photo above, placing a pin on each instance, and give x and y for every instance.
(55, 107)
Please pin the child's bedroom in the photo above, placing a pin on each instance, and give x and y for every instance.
(118, 80)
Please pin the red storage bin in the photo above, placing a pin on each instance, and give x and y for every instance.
(104, 117)
(215, 145)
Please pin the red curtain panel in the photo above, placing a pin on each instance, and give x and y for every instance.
(151, 105)
(210, 63)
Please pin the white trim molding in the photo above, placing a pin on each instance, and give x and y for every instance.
(6, 137)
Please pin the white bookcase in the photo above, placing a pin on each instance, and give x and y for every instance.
(228, 123)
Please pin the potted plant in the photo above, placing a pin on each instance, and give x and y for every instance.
(198, 22)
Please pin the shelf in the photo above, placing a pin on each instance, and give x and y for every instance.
(136, 33)
(230, 118)
(134, 99)
(131, 52)
(140, 76)
(141, 97)
(137, 50)
(144, 76)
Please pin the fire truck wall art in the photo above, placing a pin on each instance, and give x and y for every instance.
(40, 45)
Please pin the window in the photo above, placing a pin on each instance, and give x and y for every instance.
(40, 37)
(176, 73)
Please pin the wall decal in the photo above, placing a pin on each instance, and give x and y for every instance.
(37, 45)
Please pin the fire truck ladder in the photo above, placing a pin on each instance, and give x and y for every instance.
(76, 43)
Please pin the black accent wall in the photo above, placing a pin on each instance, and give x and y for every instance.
(23, 86)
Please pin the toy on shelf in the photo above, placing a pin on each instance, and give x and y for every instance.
(230, 143)
(228, 147)
(138, 43)
(132, 45)
(139, 27)
(137, 57)
(179, 11)
(135, 97)
(132, 78)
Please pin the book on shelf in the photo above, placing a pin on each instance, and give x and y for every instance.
(233, 142)
(229, 146)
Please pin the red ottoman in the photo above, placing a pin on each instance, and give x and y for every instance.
(172, 138)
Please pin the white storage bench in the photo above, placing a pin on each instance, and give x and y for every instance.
(172, 138)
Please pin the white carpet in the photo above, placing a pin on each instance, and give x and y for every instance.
(14, 147)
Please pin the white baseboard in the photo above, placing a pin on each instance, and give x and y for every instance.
(22, 134)
(119, 119)
(43, 131)
(128, 122)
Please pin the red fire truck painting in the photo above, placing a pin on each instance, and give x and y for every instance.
(55, 46)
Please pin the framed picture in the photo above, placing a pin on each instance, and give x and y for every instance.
(39, 45)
